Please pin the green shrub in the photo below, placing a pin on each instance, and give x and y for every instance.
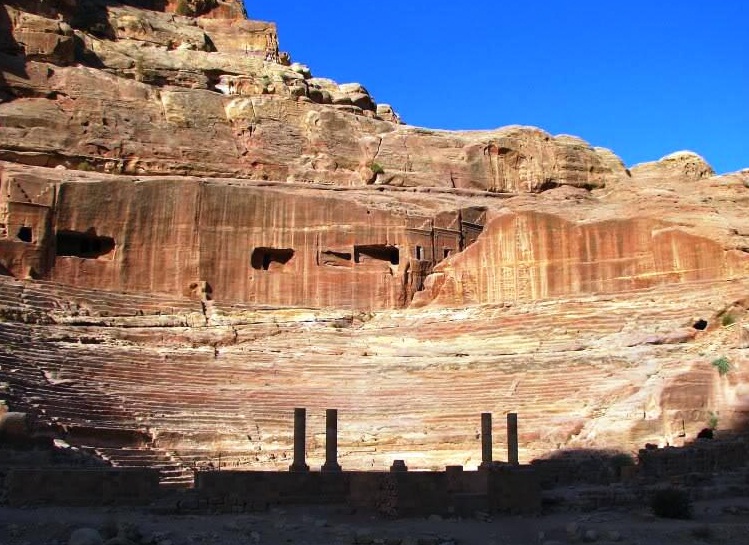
(377, 168)
(712, 422)
(85, 166)
(728, 319)
(722, 365)
(671, 503)
(183, 8)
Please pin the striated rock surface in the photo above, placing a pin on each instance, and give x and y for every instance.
(198, 235)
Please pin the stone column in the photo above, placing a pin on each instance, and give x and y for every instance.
(300, 438)
(331, 441)
(486, 440)
(512, 438)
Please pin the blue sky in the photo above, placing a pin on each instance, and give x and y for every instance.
(644, 78)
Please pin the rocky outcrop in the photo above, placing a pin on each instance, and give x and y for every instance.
(685, 165)
(153, 93)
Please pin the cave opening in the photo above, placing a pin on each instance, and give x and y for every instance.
(334, 258)
(87, 245)
(379, 252)
(700, 325)
(25, 234)
(547, 185)
(346, 256)
(263, 258)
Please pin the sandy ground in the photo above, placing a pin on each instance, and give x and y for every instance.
(716, 521)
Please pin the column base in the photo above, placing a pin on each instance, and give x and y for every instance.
(398, 466)
(298, 468)
(487, 465)
(331, 467)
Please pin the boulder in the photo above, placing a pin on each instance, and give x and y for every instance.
(363, 101)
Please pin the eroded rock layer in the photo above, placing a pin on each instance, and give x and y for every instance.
(197, 236)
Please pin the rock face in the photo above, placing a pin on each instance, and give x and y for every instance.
(263, 243)
(197, 236)
(522, 257)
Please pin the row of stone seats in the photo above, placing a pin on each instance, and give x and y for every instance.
(173, 474)
(192, 390)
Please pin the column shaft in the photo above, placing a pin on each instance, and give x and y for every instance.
(300, 439)
(512, 438)
(331, 441)
(486, 439)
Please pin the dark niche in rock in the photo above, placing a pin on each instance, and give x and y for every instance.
(263, 259)
(333, 258)
(700, 324)
(25, 234)
(378, 252)
(87, 245)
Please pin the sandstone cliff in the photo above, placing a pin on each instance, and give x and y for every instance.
(197, 235)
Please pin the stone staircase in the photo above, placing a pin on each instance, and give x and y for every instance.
(172, 473)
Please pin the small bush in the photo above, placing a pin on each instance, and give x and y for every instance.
(671, 503)
(85, 166)
(183, 8)
(722, 365)
(712, 422)
(377, 168)
(728, 319)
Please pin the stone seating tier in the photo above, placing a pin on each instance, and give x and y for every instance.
(195, 399)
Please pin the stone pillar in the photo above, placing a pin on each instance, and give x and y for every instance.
(331, 441)
(486, 440)
(512, 438)
(300, 438)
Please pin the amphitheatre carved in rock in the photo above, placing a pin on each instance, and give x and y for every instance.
(198, 236)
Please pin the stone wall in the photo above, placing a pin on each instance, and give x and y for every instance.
(704, 456)
(393, 493)
(590, 468)
(82, 487)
